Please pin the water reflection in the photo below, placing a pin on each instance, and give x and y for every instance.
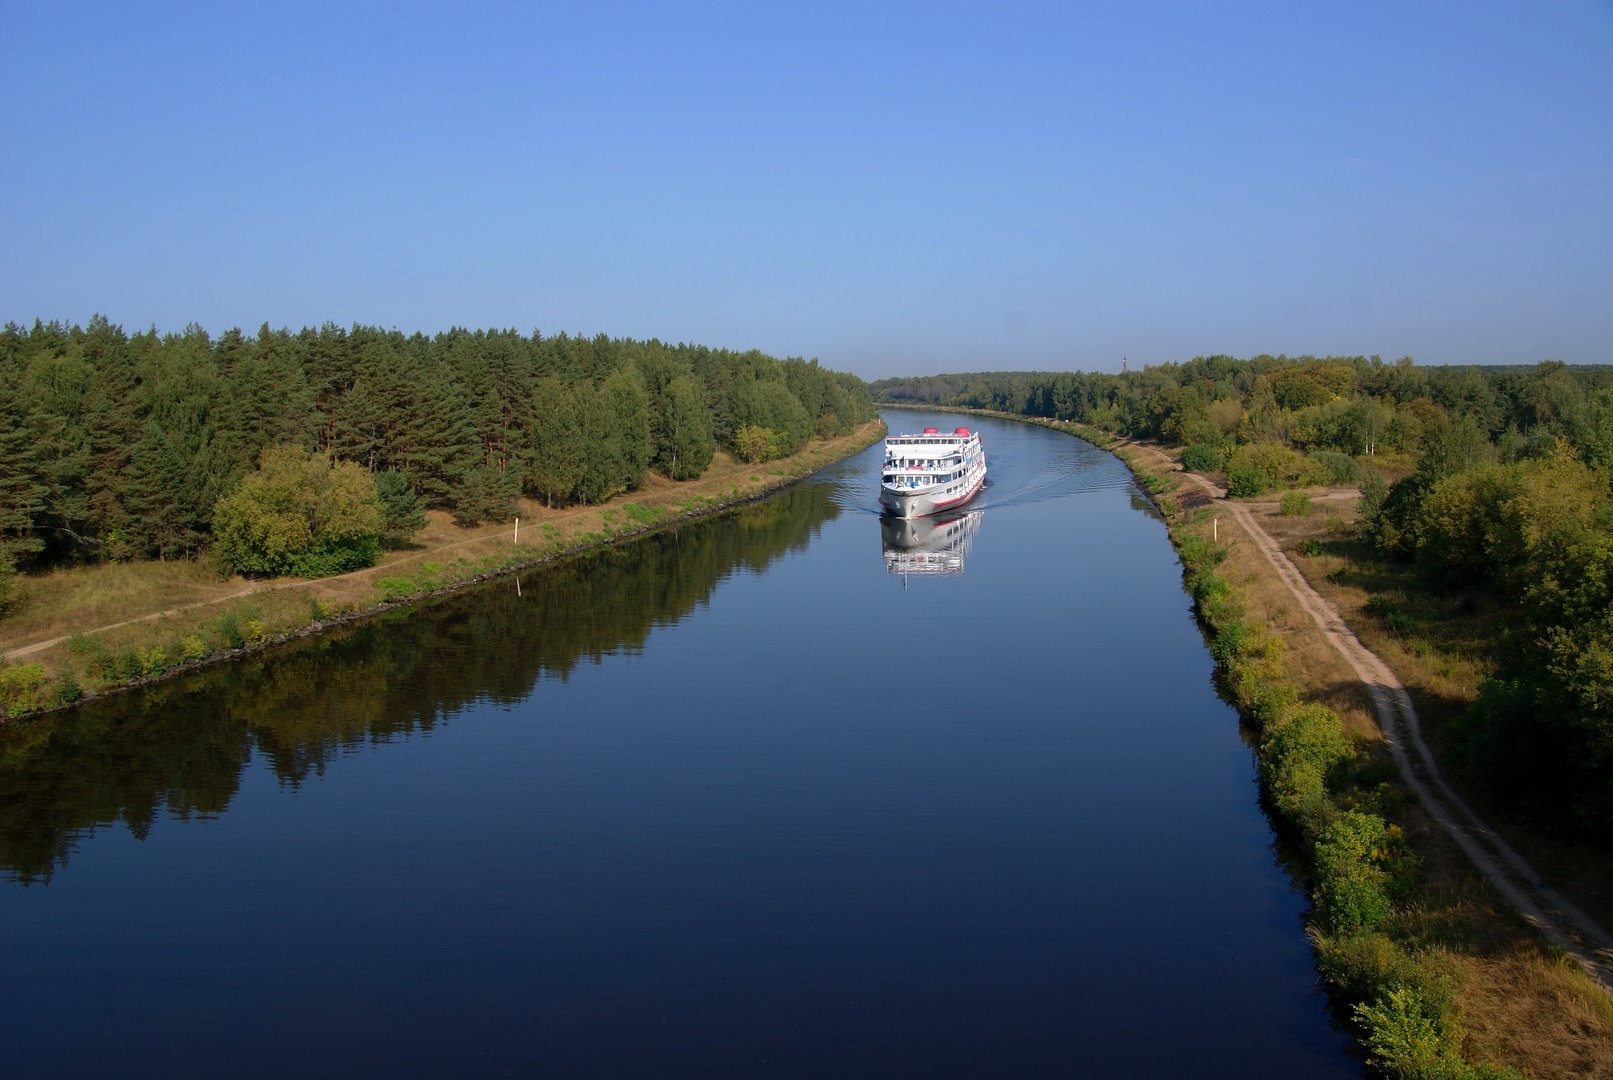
(928, 545)
(182, 746)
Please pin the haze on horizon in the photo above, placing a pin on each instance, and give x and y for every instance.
(893, 188)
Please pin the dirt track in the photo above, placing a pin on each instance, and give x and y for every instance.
(1563, 924)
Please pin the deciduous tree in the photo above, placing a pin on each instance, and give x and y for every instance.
(300, 513)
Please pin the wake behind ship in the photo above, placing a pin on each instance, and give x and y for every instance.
(930, 472)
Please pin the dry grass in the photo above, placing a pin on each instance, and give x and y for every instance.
(1541, 1013)
(64, 601)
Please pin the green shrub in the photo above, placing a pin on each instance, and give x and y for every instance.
(229, 630)
(1201, 458)
(396, 588)
(127, 666)
(1296, 504)
(1374, 490)
(1261, 467)
(1229, 639)
(1199, 553)
(192, 647)
(1407, 1036)
(300, 513)
(1360, 862)
(100, 666)
(67, 688)
(1210, 590)
(1363, 963)
(326, 559)
(1339, 468)
(1244, 482)
(1396, 621)
(1403, 1036)
(22, 688)
(754, 443)
(1299, 753)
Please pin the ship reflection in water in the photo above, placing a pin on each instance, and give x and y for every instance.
(928, 545)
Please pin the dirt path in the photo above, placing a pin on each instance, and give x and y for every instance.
(278, 583)
(254, 588)
(1563, 924)
(41, 646)
(722, 484)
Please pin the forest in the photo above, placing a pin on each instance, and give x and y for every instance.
(307, 452)
(1494, 484)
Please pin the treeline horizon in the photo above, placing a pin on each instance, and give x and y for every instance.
(116, 446)
(1501, 501)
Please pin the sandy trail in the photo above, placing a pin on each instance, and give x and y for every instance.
(255, 587)
(1563, 924)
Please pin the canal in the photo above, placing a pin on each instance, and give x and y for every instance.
(789, 792)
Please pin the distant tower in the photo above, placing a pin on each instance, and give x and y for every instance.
(1122, 365)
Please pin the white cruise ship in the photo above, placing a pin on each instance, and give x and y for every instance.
(930, 472)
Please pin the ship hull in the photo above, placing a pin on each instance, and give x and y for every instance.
(915, 504)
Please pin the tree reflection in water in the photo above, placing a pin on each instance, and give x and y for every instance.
(182, 746)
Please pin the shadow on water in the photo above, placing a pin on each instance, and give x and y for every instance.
(181, 747)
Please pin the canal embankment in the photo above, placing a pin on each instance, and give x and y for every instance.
(86, 631)
(1446, 948)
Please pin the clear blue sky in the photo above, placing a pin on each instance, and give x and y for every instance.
(892, 188)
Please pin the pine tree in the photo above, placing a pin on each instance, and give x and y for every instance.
(487, 494)
(22, 490)
(112, 422)
(604, 463)
(437, 441)
(401, 512)
(47, 385)
(153, 488)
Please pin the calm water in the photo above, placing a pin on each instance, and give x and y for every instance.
(740, 799)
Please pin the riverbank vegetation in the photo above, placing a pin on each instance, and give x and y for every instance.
(1474, 560)
(1438, 977)
(211, 465)
(90, 628)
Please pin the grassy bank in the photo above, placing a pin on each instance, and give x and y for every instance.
(1438, 976)
(91, 630)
